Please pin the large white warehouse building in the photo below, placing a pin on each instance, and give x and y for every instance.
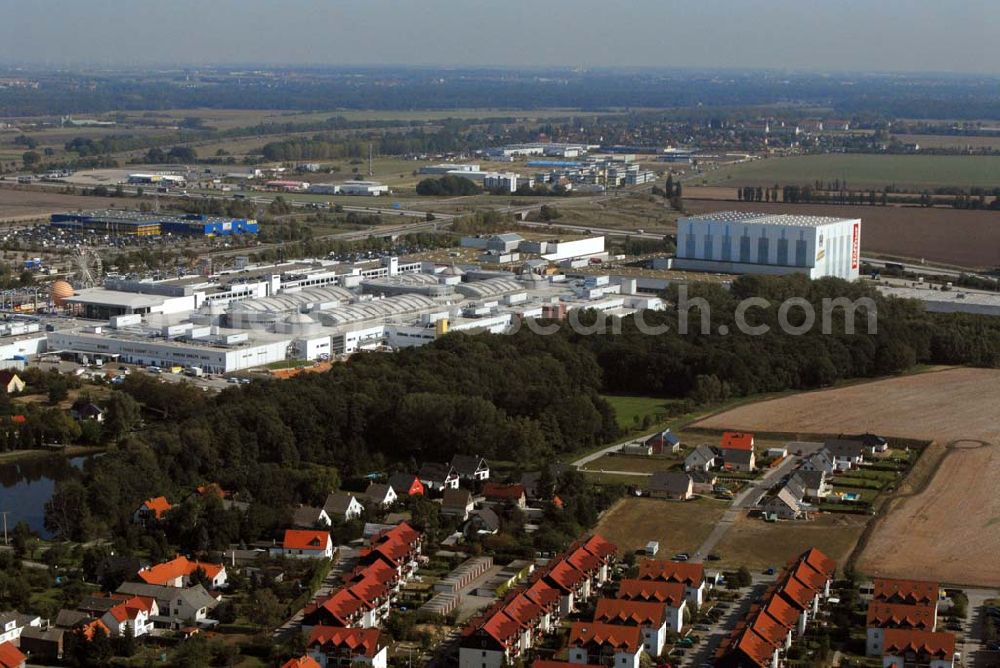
(762, 243)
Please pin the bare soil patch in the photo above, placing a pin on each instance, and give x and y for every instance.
(945, 522)
(26, 204)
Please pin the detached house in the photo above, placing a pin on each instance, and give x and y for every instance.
(310, 517)
(184, 605)
(304, 544)
(438, 477)
(178, 573)
(11, 382)
(671, 485)
(813, 483)
(664, 442)
(819, 461)
(736, 450)
(380, 494)
(457, 503)
(513, 494)
(151, 510)
(131, 617)
(470, 468)
(406, 484)
(13, 624)
(343, 506)
(702, 458)
(785, 505)
(596, 643)
(650, 617)
(846, 454)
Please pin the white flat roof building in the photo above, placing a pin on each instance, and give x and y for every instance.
(762, 243)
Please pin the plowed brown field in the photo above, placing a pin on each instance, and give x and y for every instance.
(946, 529)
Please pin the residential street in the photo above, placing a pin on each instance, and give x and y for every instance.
(749, 497)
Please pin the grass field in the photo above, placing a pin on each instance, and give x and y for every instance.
(944, 523)
(863, 171)
(756, 544)
(679, 526)
(632, 463)
(631, 410)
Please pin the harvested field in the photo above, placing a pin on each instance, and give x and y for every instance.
(950, 141)
(677, 525)
(862, 171)
(945, 522)
(28, 204)
(963, 238)
(757, 544)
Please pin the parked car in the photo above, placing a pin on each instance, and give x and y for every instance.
(682, 556)
(713, 557)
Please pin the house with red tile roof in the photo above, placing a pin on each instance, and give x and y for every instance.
(178, 573)
(543, 595)
(912, 592)
(591, 642)
(691, 575)
(573, 585)
(737, 451)
(745, 647)
(882, 616)
(494, 640)
(151, 510)
(87, 631)
(301, 662)
(669, 595)
(342, 608)
(769, 628)
(651, 617)
(399, 547)
(132, 616)
(331, 646)
(11, 656)
(911, 648)
(306, 544)
(513, 494)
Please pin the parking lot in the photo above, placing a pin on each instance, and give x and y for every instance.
(711, 634)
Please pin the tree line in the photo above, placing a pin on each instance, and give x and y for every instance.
(521, 397)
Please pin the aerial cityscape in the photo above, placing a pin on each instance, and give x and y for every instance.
(499, 336)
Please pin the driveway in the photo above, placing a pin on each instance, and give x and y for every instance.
(702, 653)
(344, 560)
(972, 646)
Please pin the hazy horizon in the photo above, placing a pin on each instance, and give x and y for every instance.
(891, 36)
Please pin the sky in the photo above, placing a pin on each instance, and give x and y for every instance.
(830, 35)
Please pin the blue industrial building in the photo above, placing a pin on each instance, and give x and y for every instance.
(153, 224)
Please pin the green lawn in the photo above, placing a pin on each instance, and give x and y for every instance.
(863, 171)
(630, 411)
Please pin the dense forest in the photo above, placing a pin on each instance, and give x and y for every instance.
(524, 397)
